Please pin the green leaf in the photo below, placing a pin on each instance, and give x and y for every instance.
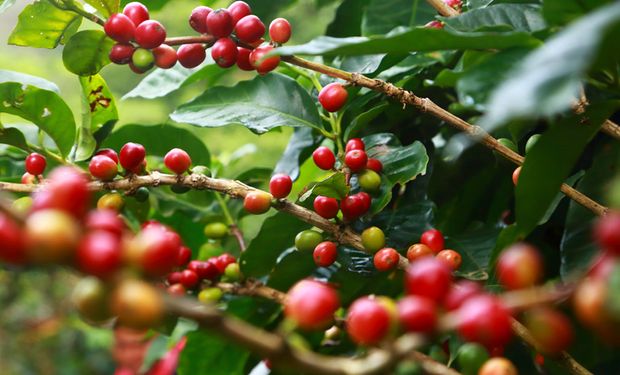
(261, 104)
(347, 19)
(205, 352)
(10, 76)
(403, 227)
(268, 10)
(550, 78)
(105, 7)
(44, 108)
(475, 247)
(159, 139)
(381, 16)
(13, 137)
(517, 17)
(292, 266)
(550, 161)
(86, 53)
(43, 25)
(401, 164)
(301, 145)
(561, 12)
(333, 186)
(363, 119)
(410, 40)
(6, 4)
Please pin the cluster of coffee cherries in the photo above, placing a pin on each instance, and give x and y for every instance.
(236, 38)
(432, 243)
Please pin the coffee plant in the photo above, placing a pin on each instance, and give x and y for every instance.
(445, 203)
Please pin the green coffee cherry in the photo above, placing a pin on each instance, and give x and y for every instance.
(216, 230)
(210, 295)
(232, 272)
(438, 354)
(142, 194)
(508, 143)
(307, 240)
(531, 142)
(471, 357)
(22, 205)
(143, 59)
(409, 368)
(373, 239)
(369, 181)
(210, 250)
(179, 189)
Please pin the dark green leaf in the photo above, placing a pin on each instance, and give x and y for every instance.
(381, 16)
(86, 53)
(517, 17)
(401, 164)
(363, 119)
(43, 25)
(292, 266)
(105, 7)
(9, 76)
(44, 108)
(347, 19)
(13, 137)
(475, 247)
(333, 186)
(207, 353)
(268, 10)
(299, 148)
(403, 227)
(152, 4)
(260, 105)
(561, 12)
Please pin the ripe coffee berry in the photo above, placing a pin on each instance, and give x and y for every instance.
(176, 289)
(103, 168)
(132, 155)
(136, 12)
(257, 202)
(354, 206)
(456, 4)
(280, 185)
(324, 158)
(105, 220)
(433, 239)
(417, 251)
(551, 329)
(417, 314)
(607, 232)
(519, 266)
(326, 207)
(325, 254)
(12, 240)
(204, 270)
(120, 28)
(451, 258)
(35, 164)
(66, 190)
(460, 292)
(280, 30)
(355, 144)
(249, 29)
(28, 179)
(386, 259)
(121, 53)
(219, 23)
(177, 160)
(311, 304)
(243, 59)
(198, 19)
(222, 261)
(150, 34)
(333, 97)
(189, 279)
(428, 277)
(183, 256)
(368, 321)
(165, 56)
(356, 160)
(264, 65)
(51, 236)
(373, 239)
(374, 164)
(238, 10)
(224, 52)
(109, 153)
(515, 175)
(434, 25)
(99, 254)
(191, 55)
(155, 250)
(483, 319)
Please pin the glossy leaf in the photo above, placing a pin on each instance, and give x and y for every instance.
(291, 267)
(261, 104)
(475, 247)
(401, 164)
(517, 17)
(105, 7)
(561, 12)
(333, 186)
(381, 16)
(43, 25)
(10, 76)
(347, 19)
(403, 227)
(86, 53)
(13, 137)
(301, 145)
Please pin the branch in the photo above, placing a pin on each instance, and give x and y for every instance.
(443, 8)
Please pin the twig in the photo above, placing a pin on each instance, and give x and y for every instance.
(526, 298)
(443, 8)
(253, 288)
(238, 234)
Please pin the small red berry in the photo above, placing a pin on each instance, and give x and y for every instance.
(99, 254)
(333, 97)
(35, 164)
(417, 251)
(189, 279)
(66, 190)
(365, 199)
(105, 220)
(184, 256)
(386, 259)
(551, 329)
(177, 289)
(519, 266)
(483, 319)
(324, 158)
(243, 59)
(121, 53)
(325, 254)
(515, 175)
(150, 34)
(136, 12)
(238, 10)
(498, 365)
(280, 185)
(222, 261)
(220, 23)
(354, 206)
(417, 314)
(433, 239)
(451, 258)
(264, 65)
(354, 144)
(375, 165)
(311, 304)
(460, 292)
(204, 270)
(249, 29)
(356, 160)
(455, 4)
(326, 207)
(177, 160)
(28, 179)
(607, 232)
(132, 155)
(224, 52)
(198, 19)
(174, 278)
(368, 321)
(103, 168)
(13, 248)
(434, 25)
(428, 277)
(165, 56)
(257, 202)
(191, 55)
(120, 28)
(280, 30)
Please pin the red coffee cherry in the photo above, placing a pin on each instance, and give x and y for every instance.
(498, 365)
(417, 251)
(155, 249)
(238, 10)
(280, 185)
(219, 23)
(519, 266)
(150, 34)
(368, 321)
(311, 304)
(333, 97)
(191, 55)
(451, 258)
(607, 232)
(354, 144)
(165, 56)
(483, 319)
(434, 25)
(109, 153)
(189, 279)
(35, 164)
(417, 314)
(433, 239)
(177, 160)
(132, 155)
(264, 65)
(515, 175)
(356, 160)
(66, 190)
(456, 4)
(249, 29)
(184, 256)
(198, 19)
(12, 240)
(103, 168)
(365, 199)
(204, 270)
(386, 259)
(224, 52)
(551, 329)
(136, 12)
(326, 207)
(120, 28)
(428, 277)
(375, 165)
(105, 220)
(354, 206)
(174, 278)
(222, 261)
(460, 292)
(121, 53)
(280, 30)
(28, 179)
(324, 158)
(257, 202)
(325, 254)
(243, 59)
(99, 254)
(177, 289)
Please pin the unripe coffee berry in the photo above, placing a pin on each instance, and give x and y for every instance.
(280, 30)
(333, 97)
(307, 240)
(373, 239)
(354, 144)
(280, 185)
(238, 10)
(121, 53)
(28, 179)
(417, 251)
(264, 65)
(132, 155)
(111, 201)
(374, 164)
(210, 295)
(165, 56)
(326, 207)
(232, 272)
(120, 28)
(386, 259)
(224, 52)
(356, 160)
(220, 23)
(551, 329)
(519, 266)
(142, 59)
(249, 29)
(177, 160)
(191, 55)
(35, 164)
(324, 158)
(325, 254)
(311, 304)
(103, 168)
(368, 321)
(257, 202)
(137, 304)
(216, 230)
(451, 258)
(198, 19)
(136, 12)
(428, 277)
(150, 34)
(369, 180)
(433, 239)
